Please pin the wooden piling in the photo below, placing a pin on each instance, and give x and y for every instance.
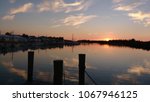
(30, 66)
(58, 72)
(82, 69)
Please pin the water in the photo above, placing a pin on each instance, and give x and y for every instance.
(104, 65)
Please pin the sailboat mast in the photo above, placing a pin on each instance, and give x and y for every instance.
(72, 37)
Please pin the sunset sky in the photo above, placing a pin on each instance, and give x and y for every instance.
(84, 19)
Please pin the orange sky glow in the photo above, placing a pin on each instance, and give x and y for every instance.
(85, 19)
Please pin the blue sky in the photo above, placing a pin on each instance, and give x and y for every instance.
(85, 19)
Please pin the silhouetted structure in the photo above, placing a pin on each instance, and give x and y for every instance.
(58, 72)
(10, 42)
(81, 69)
(10, 37)
(30, 66)
(122, 43)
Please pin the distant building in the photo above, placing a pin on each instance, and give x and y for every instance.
(12, 38)
(8, 37)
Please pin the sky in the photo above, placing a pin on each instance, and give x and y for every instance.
(84, 19)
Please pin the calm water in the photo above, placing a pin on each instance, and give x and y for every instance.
(104, 64)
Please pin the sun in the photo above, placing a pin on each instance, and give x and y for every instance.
(107, 39)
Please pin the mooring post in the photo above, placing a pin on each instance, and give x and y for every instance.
(82, 69)
(58, 72)
(30, 66)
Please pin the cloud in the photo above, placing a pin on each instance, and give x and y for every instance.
(117, 1)
(56, 26)
(147, 22)
(61, 5)
(134, 10)
(8, 17)
(140, 16)
(129, 7)
(22, 9)
(45, 6)
(75, 20)
(12, 1)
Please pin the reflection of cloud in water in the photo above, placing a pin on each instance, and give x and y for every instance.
(68, 61)
(53, 57)
(12, 69)
(131, 77)
(124, 79)
(70, 75)
(44, 76)
(71, 71)
(73, 62)
(139, 70)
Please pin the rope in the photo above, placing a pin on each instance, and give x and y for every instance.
(91, 78)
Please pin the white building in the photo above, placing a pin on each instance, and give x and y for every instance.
(12, 38)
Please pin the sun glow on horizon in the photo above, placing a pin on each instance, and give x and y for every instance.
(104, 39)
(107, 39)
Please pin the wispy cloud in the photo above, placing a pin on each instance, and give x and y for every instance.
(44, 6)
(134, 10)
(61, 5)
(8, 17)
(73, 20)
(56, 26)
(22, 9)
(117, 1)
(140, 16)
(12, 1)
(128, 7)
(147, 22)
(76, 20)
